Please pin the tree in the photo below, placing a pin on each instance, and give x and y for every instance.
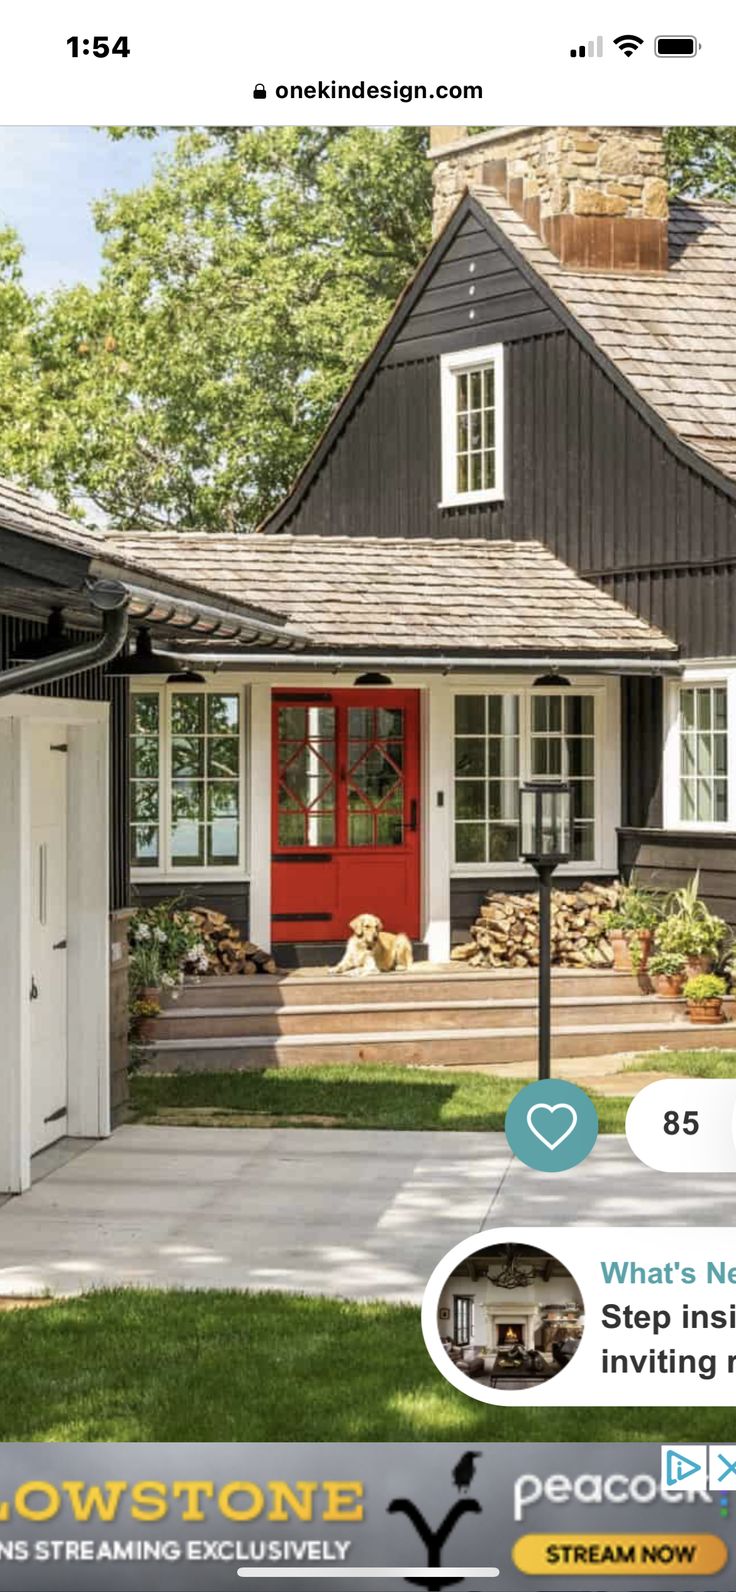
(240, 290)
(702, 160)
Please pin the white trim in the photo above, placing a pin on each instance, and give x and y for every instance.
(437, 780)
(694, 675)
(452, 365)
(259, 815)
(165, 872)
(607, 709)
(85, 729)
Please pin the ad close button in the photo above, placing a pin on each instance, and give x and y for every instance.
(624, 1553)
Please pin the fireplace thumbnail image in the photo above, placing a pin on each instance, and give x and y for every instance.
(510, 1316)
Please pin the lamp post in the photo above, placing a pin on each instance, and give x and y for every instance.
(545, 817)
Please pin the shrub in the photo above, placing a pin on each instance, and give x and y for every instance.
(637, 911)
(705, 987)
(668, 964)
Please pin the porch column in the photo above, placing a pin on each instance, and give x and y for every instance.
(259, 846)
(438, 765)
(15, 973)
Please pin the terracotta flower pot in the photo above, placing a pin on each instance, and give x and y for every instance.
(152, 993)
(668, 986)
(698, 964)
(621, 953)
(146, 1031)
(706, 1011)
(621, 943)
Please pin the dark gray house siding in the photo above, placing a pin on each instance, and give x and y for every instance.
(587, 471)
(95, 685)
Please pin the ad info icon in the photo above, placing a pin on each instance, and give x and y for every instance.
(685, 1469)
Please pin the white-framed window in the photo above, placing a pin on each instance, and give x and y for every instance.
(506, 737)
(187, 747)
(700, 753)
(471, 386)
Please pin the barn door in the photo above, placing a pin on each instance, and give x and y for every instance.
(47, 992)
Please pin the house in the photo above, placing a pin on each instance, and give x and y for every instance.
(68, 602)
(510, 556)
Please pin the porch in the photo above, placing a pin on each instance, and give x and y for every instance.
(437, 1015)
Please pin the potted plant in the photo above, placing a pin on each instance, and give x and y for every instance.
(143, 1021)
(630, 928)
(668, 971)
(704, 995)
(146, 973)
(698, 938)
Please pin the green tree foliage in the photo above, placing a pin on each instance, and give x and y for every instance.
(702, 160)
(240, 290)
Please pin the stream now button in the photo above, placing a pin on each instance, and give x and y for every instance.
(631, 1553)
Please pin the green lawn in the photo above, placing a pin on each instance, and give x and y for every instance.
(687, 1063)
(345, 1097)
(127, 1366)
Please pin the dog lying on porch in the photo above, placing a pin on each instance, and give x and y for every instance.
(371, 949)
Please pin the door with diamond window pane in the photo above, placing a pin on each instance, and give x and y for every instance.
(345, 811)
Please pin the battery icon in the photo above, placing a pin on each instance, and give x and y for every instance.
(676, 46)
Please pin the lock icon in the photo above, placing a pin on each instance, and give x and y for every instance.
(259, 91)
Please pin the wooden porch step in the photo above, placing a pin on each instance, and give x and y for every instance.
(430, 1047)
(437, 983)
(218, 1022)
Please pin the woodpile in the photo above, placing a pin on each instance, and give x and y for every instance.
(225, 951)
(507, 932)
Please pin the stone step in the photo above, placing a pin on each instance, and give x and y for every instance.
(430, 1047)
(452, 983)
(217, 1022)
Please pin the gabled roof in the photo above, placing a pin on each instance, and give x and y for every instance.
(668, 341)
(373, 594)
(673, 336)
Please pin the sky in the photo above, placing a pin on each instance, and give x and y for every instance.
(48, 179)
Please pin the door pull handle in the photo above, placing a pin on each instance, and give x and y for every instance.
(33, 995)
(413, 810)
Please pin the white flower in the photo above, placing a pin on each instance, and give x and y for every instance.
(167, 981)
(202, 964)
(142, 931)
(160, 935)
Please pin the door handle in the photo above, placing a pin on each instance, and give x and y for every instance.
(33, 995)
(413, 809)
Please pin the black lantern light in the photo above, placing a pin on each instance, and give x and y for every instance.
(545, 821)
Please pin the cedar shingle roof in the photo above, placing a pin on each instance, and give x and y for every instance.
(447, 596)
(24, 511)
(674, 335)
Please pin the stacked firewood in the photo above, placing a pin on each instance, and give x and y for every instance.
(224, 950)
(507, 932)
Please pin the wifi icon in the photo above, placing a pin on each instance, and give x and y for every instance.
(628, 43)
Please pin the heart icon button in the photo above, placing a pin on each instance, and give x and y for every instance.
(547, 1131)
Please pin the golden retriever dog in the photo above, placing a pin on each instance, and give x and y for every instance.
(371, 949)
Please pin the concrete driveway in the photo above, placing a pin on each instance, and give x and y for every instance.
(361, 1214)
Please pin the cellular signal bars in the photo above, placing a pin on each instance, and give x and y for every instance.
(591, 48)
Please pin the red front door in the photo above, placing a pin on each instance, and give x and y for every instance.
(345, 811)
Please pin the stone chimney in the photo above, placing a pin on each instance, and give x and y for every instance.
(597, 196)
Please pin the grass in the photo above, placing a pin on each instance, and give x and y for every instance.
(687, 1063)
(345, 1097)
(207, 1367)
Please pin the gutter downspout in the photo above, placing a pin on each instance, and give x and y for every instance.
(111, 599)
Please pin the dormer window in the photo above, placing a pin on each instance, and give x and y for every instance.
(472, 426)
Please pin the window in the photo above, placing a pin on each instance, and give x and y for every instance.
(186, 779)
(472, 426)
(703, 748)
(504, 738)
(462, 1319)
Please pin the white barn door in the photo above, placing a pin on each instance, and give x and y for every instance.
(48, 987)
